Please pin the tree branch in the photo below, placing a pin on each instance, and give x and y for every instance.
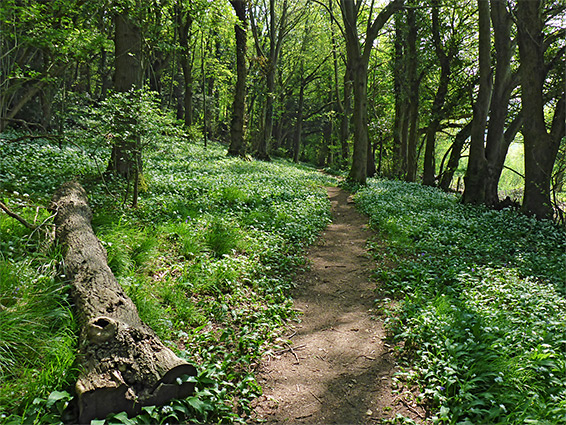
(331, 16)
(12, 214)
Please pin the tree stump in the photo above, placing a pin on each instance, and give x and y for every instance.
(124, 364)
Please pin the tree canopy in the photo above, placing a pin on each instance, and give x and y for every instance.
(372, 87)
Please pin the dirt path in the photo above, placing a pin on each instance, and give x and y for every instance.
(340, 367)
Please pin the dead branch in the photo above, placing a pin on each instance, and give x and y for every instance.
(12, 214)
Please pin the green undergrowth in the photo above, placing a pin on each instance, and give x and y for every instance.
(477, 300)
(208, 257)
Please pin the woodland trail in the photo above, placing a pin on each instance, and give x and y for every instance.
(339, 369)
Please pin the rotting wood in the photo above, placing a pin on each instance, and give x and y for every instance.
(124, 364)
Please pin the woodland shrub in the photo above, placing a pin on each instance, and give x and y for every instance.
(482, 300)
(208, 257)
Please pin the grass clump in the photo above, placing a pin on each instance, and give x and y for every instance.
(483, 296)
(37, 334)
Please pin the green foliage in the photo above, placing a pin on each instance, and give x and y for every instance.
(483, 299)
(37, 330)
(207, 257)
(52, 164)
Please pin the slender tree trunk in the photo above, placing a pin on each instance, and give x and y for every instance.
(455, 155)
(184, 24)
(264, 143)
(346, 113)
(276, 33)
(401, 105)
(264, 140)
(371, 168)
(105, 81)
(429, 171)
(299, 124)
(342, 108)
(496, 145)
(474, 192)
(413, 99)
(239, 106)
(203, 81)
(541, 147)
(358, 172)
(327, 130)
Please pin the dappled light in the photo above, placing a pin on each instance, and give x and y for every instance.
(336, 211)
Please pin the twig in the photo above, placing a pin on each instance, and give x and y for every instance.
(290, 349)
(304, 416)
(294, 354)
(314, 395)
(410, 408)
(17, 217)
(45, 221)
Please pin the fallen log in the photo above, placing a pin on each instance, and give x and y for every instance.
(124, 365)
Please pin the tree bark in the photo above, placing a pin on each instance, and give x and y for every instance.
(346, 113)
(455, 155)
(239, 106)
(400, 124)
(299, 124)
(412, 124)
(358, 172)
(127, 76)
(124, 364)
(184, 24)
(541, 147)
(474, 192)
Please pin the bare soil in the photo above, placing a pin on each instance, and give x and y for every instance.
(340, 366)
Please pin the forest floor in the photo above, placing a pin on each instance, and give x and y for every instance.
(340, 367)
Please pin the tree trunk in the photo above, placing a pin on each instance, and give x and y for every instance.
(370, 167)
(474, 191)
(346, 113)
(127, 76)
(127, 53)
(264, 141)
(496, 163)
(412, 124)
(496, 145)
(358, 172)
(429, 171)
(358, 56)
(184, 24)
(239, 106)
(400, 147)
(541, 147)
(124, 365)
(342, 108)
(455, 155)
(299, 124)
